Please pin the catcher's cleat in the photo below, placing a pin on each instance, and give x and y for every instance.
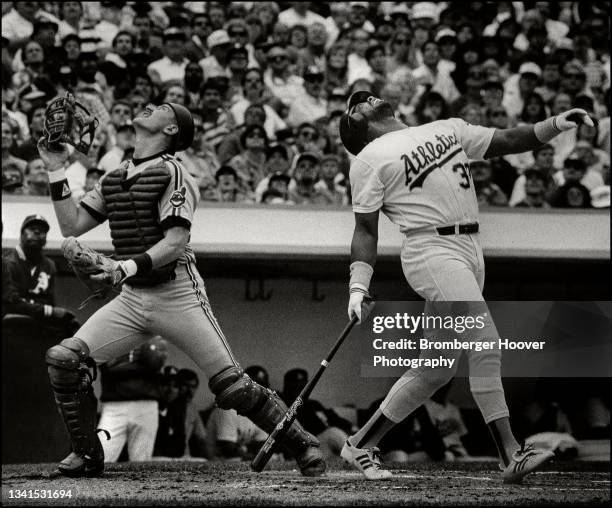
(366, 460)
(311, 462)
(523, 462)
(86, 465)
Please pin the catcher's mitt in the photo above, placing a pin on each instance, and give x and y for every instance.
(68, 121)
(87, 262)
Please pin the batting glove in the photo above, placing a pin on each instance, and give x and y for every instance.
(354, 306)
(570, 119)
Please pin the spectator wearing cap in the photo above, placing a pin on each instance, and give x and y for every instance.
(28, 150)
(299, 14)
(424, 17)
(519, 86)
(314, 52)
(217, 121)
(487, 193)
(432, 76)
(29, 288)
(572, 193)
(228, 187)
(239, 34)
(447, 44)
(195, 48)
(279, 78)
(535, 190)
(574, 80)
(111, 20)
(254, 93)
(172, 66)
(492, 98)
(215, 64)
(307, 139)
(358, 17)
(302, 189)
(337, 21)
(471, 88)
(8, 142)
(250, 164)
(277, 191)
(267, 13)
(594, 161)
(330, 178)
(310, 106)
(278, 161)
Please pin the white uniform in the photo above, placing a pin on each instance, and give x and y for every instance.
(419, 177)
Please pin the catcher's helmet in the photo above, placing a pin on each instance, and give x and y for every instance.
(353, 125)
(184, 137)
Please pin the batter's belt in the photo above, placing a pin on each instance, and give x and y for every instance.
(459, 229)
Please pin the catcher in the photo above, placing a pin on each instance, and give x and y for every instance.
(149, 202)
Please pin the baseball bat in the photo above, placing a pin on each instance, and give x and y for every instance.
(277, 435)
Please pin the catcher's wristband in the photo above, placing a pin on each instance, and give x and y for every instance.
(361, 274)
(144, 263)
(546, 130)
(58, 185)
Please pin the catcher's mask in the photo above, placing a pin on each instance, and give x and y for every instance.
(68, 121)
(354, 125)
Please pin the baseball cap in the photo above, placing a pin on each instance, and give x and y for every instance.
(277, 175)
(534, 172)
(307, 155)
(225, 170)
(330, 157)
(312, 71)
(371, 49)
(363, 5)
(277, 148)
(425, 10)
(218, 38)
(574, 161)
(446, 32)
(399, 9)
(338, 92)
(530, 68)
(184, 120)
(42, 22)
(174, 33)
(35, 219)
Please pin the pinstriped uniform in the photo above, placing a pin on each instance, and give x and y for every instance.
(179, 309)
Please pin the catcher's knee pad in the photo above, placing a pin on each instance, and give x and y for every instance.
(65, 361)
(235, 390)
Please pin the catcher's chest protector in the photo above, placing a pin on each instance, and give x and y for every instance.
(132, 210)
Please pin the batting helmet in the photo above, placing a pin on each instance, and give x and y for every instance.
(184, 137)
(353, 125)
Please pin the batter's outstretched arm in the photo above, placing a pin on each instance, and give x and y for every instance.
(363, 259)
(528, 137)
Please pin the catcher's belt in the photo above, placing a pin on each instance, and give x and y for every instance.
(68, 121)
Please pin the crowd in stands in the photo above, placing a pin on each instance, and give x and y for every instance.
(266, 83)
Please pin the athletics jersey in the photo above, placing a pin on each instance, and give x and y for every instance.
(419, 176)
(178, 201)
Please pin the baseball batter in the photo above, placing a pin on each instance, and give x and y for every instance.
(150, 202)
(419, 177)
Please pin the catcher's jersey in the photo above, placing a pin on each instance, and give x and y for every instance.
(419, 176)
(176, 206)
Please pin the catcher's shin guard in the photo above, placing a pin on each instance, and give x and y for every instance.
(69, 373)
(235, 390)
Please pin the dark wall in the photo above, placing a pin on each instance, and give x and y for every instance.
(305, 312)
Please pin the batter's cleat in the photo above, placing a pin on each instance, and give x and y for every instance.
(366, 460)
(311, 462)
(523, 462)
(84, 465)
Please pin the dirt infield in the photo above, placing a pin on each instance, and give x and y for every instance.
(214, 484)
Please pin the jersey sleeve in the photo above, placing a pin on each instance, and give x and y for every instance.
(366, 188)
(93, 202)
(475, 139)
(180, 200)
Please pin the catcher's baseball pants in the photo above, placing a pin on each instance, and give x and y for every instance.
(134, 421)
(178, 310)
(447, 268)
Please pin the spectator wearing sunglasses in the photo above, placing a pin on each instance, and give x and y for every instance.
(238, 32)
(279, 78)
(311, 105)
(195, 48)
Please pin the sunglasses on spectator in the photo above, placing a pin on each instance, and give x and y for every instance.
(237, 33)
(278, 59)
